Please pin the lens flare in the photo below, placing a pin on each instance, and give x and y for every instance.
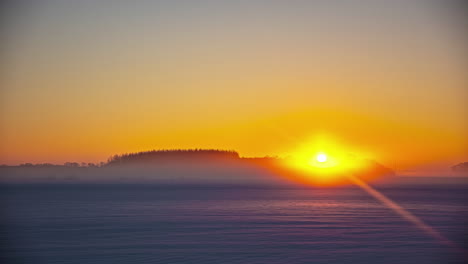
(404, 213)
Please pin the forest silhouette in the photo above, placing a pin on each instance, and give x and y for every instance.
(176, 166)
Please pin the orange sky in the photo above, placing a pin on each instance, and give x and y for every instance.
(83, 81)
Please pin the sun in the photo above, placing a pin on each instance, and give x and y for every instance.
(321, 158)
(322, 161)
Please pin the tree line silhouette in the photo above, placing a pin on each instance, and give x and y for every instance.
(461, 167)
(173, 154)
(145, 156)
(228, 159)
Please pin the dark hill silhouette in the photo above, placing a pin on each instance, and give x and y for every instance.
(181, 155)
(461, 167)
(176, 166)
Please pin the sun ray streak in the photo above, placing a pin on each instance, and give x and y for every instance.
(404, 213)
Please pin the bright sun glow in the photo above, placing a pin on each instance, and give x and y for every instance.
(323, 161)
(321, 157)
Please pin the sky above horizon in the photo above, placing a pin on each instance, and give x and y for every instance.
(83, 80)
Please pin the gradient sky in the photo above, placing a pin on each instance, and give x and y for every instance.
(82, 80)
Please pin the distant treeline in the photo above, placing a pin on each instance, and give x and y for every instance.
(146, 157)
(65, 165)
(173, 155)
(190, 156)
(177, 166)
(461, 167)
